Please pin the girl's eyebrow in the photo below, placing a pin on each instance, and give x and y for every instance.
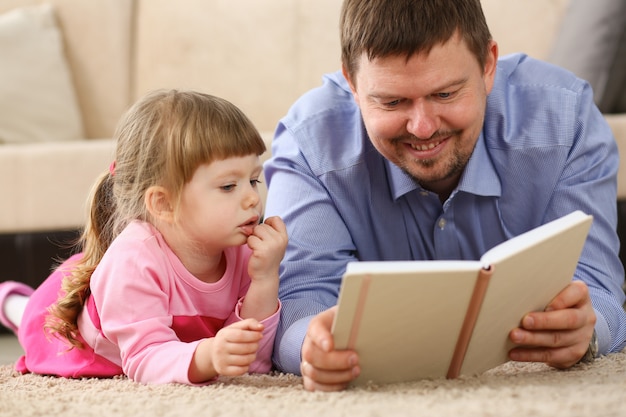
(238, 172)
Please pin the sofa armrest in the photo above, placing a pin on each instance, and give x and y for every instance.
(618, 125)
(267, 136)
(45, 185)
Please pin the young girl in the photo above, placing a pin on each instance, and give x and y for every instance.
(178, 278)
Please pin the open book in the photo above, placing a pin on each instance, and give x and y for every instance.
(412, 320)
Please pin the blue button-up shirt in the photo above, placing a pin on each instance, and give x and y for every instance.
(544, 151)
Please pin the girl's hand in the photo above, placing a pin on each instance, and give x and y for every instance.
(229, 353)
(268, 243)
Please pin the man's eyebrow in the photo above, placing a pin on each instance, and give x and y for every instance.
(435, 89)
(451, 84)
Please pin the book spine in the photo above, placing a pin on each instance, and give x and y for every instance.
(358, 314)
(465, 335)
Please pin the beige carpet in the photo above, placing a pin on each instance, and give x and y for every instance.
(511, 390)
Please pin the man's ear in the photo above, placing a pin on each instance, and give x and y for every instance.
(346, 75)
(351, 83)
(159, 204)
(491, 64)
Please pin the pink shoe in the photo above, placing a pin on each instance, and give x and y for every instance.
(9, 288)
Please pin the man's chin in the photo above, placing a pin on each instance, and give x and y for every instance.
(423, 171)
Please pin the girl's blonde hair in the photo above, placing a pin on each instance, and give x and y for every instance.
(161, 140)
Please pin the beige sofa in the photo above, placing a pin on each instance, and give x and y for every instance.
(261, 55)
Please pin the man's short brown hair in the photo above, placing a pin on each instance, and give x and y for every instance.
(384, 28)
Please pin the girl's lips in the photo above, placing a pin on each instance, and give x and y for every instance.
(248, 227)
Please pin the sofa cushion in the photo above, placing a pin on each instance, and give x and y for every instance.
(260, 55)
(37, 98)
(528, 26)
(592, 44)
(45, 185)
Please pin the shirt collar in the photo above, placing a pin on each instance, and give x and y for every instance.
(479, 177)
(400, 182)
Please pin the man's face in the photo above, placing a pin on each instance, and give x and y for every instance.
(425, 114)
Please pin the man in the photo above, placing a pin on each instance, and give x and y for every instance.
(426, 146)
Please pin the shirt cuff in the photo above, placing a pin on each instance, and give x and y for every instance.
(288, 353)
(270, 319)
(603, 333)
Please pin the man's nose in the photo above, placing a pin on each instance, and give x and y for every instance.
(422, 120)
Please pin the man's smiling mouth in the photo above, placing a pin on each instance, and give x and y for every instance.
(425, 146)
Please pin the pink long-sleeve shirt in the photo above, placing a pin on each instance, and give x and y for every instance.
(145, 316)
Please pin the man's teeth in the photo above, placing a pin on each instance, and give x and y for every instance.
(424, 147)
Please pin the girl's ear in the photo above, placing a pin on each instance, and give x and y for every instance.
(158, 203)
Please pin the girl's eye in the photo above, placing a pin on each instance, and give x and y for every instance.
(254, 183)
(229, 187)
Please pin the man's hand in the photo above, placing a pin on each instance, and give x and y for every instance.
(560, 335)
(324, 368)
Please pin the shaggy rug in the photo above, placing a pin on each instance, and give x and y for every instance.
(513, 389)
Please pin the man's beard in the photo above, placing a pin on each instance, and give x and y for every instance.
(453, 167)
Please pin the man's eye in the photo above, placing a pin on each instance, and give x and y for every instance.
(444, 95)
(392, 103)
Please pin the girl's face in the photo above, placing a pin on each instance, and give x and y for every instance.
(221, 206)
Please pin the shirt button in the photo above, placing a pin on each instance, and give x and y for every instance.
(424, 193)
(442, 223)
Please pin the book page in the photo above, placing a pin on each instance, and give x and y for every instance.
(541, 264)
(546, 231)
(392, 267)
(407, 322)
